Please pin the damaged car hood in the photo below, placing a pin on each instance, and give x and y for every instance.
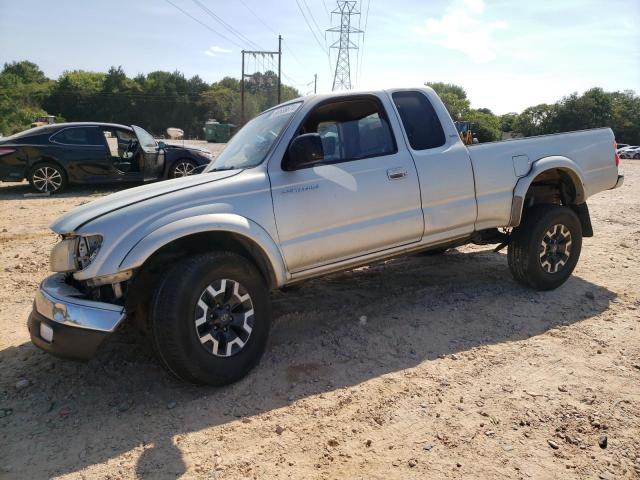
(77, 217)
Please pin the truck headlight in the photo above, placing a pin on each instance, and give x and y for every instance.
(88, 248)
(74, 253)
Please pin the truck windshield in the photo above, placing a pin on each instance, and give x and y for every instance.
(249, 147)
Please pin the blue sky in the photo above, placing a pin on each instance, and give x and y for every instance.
(507, 54)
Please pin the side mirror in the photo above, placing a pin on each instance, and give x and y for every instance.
(162, 145)
(305, 150)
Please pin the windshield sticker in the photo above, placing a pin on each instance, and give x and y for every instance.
(287, 109)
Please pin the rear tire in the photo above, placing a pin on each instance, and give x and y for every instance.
(183, 168)
(210, 318)
(545, 248)
(47, 177)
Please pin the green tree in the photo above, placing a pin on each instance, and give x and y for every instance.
(507, 121)
(25, 71)
(594, 108)
(23, 86)
(74, 95)
(576, 112)
(625, 116)
(485, 126)
(534, 120)
(454, 98)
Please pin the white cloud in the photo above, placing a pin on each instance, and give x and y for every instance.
(474, 6)
(464, 29)
(213, 51)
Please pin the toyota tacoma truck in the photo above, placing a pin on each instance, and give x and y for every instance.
(310, 187)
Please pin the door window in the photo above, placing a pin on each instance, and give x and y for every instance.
(419, 120)
(145, 138)
(79, 136)
(351, 130)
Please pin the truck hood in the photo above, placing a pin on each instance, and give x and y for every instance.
(77, 217)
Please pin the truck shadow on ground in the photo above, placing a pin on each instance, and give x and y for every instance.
(334, 332)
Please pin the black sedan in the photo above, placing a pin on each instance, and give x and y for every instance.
(52, 156)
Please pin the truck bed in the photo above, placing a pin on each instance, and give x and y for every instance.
(497, 167)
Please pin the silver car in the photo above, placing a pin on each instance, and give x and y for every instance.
(307, 188)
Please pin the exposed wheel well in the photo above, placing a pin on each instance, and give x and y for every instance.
(557, 185)
(183, 159)
(47, 160)
(145, 280)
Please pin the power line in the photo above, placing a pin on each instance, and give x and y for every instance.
(286, 43)
(325, 9)
(256, 15)
(229, 28)
(293, 54)
(357, 75)
(322, 47)
(314, 21)
(364, 32)
(203, 24)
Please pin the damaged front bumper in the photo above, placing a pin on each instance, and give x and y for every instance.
(66, 324)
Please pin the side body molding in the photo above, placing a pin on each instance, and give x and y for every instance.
(217, 222)
(547, 163)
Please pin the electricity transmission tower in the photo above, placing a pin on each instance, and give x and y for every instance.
(342, 76)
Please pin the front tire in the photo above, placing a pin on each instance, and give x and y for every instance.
(545, 248)
(210, 318)
(47, 177)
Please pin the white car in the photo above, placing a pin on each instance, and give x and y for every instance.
(630, 152)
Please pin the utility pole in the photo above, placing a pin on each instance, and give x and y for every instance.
(279, 68)
(342, 76)
(245, 75)
(242, 92)
(315, 84)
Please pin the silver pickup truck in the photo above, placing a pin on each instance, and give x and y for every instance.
(312, 186)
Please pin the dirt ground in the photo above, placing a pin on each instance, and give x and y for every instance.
(423, 367)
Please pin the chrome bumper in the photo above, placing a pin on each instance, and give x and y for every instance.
(61, 303)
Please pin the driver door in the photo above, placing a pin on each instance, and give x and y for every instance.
(152, 157)
(363, 198)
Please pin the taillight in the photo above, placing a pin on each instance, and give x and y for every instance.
(6, 151)
(615, 149)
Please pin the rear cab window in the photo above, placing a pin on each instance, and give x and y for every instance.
(419, 119)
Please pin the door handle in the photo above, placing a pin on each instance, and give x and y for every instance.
(396, 173)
